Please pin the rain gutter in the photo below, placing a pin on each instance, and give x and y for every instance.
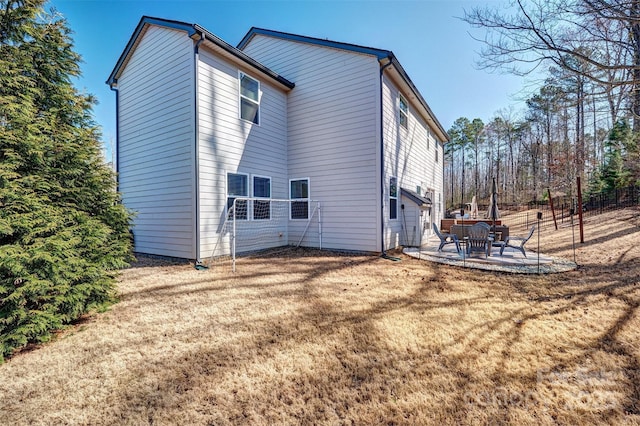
(113, 86)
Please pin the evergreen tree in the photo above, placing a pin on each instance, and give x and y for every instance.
(461, 137)
(467, 134)
(613, 173)
(62, 228)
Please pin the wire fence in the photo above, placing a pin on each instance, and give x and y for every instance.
(592, 205)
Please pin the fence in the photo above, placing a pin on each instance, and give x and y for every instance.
(618, 199)
(260, 225)
(593, 204)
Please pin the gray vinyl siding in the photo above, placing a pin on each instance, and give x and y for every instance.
(156, 142)
(333, 136)
(228, 144)
(410, 155)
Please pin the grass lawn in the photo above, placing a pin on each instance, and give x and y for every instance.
(323, 338)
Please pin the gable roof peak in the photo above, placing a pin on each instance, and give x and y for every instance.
(385, 58)
(378, 53)
(193, 31)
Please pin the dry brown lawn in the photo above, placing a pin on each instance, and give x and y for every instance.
(325, 338)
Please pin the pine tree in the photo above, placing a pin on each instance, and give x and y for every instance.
(63, 231)
(613, 173)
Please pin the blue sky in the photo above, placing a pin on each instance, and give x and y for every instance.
(427, 37)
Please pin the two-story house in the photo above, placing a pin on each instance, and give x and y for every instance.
(280, 116)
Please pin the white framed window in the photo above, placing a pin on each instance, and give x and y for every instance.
(299, 190)
(403, 111)
(237, 186)
(393, 197)
(437, 152)
(249, 98)
(429, 194)
(261, 189)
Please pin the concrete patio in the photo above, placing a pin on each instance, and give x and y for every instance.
(511, 261)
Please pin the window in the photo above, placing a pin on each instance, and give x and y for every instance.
(261, 189)
(393, 197)
(429, 195)
(404, 112)
(249, 99)
(299, 189)
(437, 152)
(237, 186)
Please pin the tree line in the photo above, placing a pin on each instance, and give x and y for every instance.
(582, 121)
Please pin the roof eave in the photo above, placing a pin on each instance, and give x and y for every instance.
(427, 112)
(144, 23)
(419, 200)
(383, 56)
(378, 53)
(193, 31)
(243, 57)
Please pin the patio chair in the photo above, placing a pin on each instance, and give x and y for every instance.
(517, 242)
(479, 239)
(446, 238)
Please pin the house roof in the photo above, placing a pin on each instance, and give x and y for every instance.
(415, 197)
(386, 58)
(380, 53)
(196, 32)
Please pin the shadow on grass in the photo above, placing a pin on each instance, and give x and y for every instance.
(330, 361)
(631, 235)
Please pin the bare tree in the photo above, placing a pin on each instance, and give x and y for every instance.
(604, 34)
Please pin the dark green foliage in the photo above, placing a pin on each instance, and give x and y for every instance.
(62, 229)
(617, 171)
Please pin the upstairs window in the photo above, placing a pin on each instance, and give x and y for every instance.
(249, 99)
(404, 112)
(237, 186)
(299, 190)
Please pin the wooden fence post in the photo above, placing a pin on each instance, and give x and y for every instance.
(580, 210)
(553, 212)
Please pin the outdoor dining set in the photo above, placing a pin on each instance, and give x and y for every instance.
(470, 234)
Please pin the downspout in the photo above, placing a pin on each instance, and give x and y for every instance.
(442, 201)
(196, 138)
(117, 165)
(382, 183)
